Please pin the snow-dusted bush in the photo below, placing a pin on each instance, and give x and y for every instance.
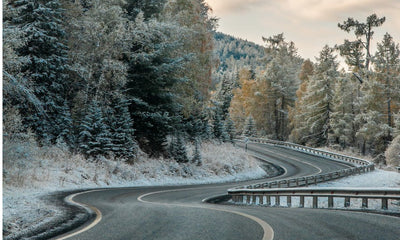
(392, 154)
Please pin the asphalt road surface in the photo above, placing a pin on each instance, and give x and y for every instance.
(175, 213)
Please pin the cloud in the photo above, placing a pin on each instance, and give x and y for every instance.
(233, 6)
(330, 9)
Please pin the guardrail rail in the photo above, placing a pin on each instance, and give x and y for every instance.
(267, 192)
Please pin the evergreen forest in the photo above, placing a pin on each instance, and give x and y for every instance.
(118, 77)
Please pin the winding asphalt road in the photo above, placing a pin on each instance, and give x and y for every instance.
(179, 213)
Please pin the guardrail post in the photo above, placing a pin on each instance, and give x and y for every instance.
(347, 202)
(254, 199)
(235, 198)
(268, 203)
(248, 199)
(277, 201)
(240, 198)
(301, 201)
(315, 202)
(384, 203)
(365, 203)
(330, 202)
(261, 199)
(289, 201)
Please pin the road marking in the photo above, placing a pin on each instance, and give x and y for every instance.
(268, 231)
(95, 210)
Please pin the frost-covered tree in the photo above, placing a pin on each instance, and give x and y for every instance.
(123, 143)
(152, 75)
(392, 153)
(250, 127)
(99, 37)
(197, 158)
(342, 117)
(230, 129)
(46, 68)
(387, 64)
(178, 149)
(16, 89)
(319, 98)
(243, 99)
(283, 66)
(219, 130)
(94, 137)
(380, 99)
(296, 114)
(193, 29)
(364, 33)
(149, 8)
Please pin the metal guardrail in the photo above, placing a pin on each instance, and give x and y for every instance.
(364, 166)
(262, 193)
(265, 196)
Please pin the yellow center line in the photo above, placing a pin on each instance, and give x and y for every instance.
(92, 224)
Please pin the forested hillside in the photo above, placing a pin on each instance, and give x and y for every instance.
(106, 78)
(316, 104)
(234, 54)
(114, 78)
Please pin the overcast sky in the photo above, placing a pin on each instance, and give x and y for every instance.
(310, 24)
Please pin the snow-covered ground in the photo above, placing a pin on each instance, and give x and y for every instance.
(30, 173)
(374, 179)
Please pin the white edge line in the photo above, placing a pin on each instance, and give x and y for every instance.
(98, 218)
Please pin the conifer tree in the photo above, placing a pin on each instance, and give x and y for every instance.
(178, 149)
(123, 143)
(342, 117)
(387, 64)
(392, 153)
(219, 130)
(94, 137)
(152, 74)
(230, 129)
(361, 30)
(296, 114)
(197, 159)
(47, 68)
(281, 74)
(319, 98)
(250, 127)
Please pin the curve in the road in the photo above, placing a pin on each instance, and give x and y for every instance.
(176, 212)
(268, 231)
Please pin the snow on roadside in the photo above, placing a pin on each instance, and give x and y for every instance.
(34, 172)
(374, 179)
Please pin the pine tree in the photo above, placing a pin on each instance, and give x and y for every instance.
(319, 98)
(219, 130)
(387, 63)
(47, 67)
(178, 149)
(361, 30)
(296, 114)
(250, 127)
(152, 74)
(342, 117)
(230, 129)
(281, 75)
(392, 153)
(94, 137)
(123, 143)
(197, 159)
